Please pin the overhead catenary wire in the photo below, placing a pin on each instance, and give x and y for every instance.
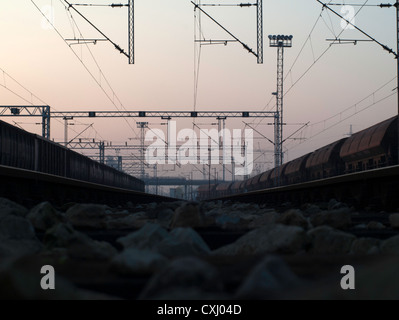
(224, 29)
(320, 16)
(341, 115)
(216, 142)
(332, 25)
(5, 74)
(31, 94)
(102, 75)
(294, 63)
(117, 47)
(86, 68)
(319, 57)
(315, 61)
(106, 80)
(344, 119)
(353, 106)
(385, 47)
(372, 94)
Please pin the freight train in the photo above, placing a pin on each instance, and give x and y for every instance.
(21, 149)
(374, 147)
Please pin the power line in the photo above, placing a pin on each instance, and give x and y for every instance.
(84, 65)
(340, 114)
(32, 95)
(16, 94)
(117, 47)
(357, 103)
(224, 29)
(314, 60)
(23, 87)
(320, 56)
(350, 116)
(101, 73)
(294, 63)
(360, 30)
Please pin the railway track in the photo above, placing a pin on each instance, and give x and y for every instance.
(375, 189)
(30, 188)
(216, 246)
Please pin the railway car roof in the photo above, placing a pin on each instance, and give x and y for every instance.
(280, 170)
(223, 186)
(255, 179)
(367, 139)
(265, 176)
(323, 155)
(296, 164)
(202, 188)
(248, 182)
(236, 185)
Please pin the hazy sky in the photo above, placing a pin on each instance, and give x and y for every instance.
(230, 78)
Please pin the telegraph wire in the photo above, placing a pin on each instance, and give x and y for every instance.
(356, 111)
(360, 30)
(102, 75)
(30, 102)
(348, 117)
(315, 60)
(85, 66)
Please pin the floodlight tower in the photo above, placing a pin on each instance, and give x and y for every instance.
(280, 42)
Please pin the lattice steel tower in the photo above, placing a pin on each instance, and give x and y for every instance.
(142, 126)
(280, 42)
(131, 31)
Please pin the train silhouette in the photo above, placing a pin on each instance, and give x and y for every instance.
(24, 150)
(374, 147)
